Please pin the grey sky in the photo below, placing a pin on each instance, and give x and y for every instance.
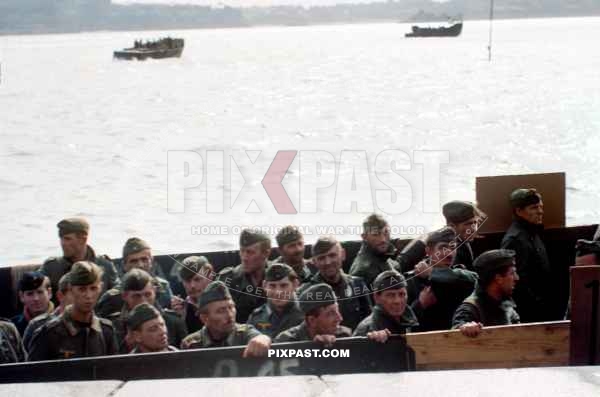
(247, 3)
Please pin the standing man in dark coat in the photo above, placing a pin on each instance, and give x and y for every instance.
(533, 294)
(490, 304)
(73, 233)
(464, 217)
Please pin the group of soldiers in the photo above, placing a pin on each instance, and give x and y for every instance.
(82, 305)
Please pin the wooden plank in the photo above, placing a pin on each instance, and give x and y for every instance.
(493, 194)
(526, 345)
(585, 315)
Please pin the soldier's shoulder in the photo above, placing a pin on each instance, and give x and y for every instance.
(171, 314)
(191, 340)
(51, 261)
(243, 328)
(343, 332)
(53, 325)
(6, 325)
(105, 322)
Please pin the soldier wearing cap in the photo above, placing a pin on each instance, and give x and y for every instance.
(587, 253)
(437, 287)
(64, 299)
(491, 303)
(137, 254)
(11, 347)
(391, 312)
(281, 310)
(34, 294)
(140, 287)
(195, 273)
(534, 293)
(148, 330)
(322, 318)
(291, 247)
(464, 217)
(73, 233)
(245, 280)
(217, 312)
(77, 332)
(376, 253)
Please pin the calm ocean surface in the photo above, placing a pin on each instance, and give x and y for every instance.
(83, 134)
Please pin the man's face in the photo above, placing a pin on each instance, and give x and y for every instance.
(73, 243)
(65, 298)
(442, 254)
(197, 284)
(327, 321)
(533, 213)
(587, 260)
(139, 260)
(293, 253)
(219, 317)
(467, 229)
(254, 257)
(508, 281)
(330, 263)
(145, 295)
(280, 292)
(86, 296)
(393, 301)
(36, 301)
(152, 335)
(378, 240)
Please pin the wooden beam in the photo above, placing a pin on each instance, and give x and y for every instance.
(525, 345)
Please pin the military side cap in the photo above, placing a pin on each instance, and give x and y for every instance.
(288, 234)
(491, 261)
(191, 266)
(279, 271)
(443, 235)
(136, 280)
(133, 246)
(323, 245)
(390, 279)
(140, 314)
(72, 225)
(31, 280)
(459, 211)
(587, 247)
(250, 237)
(315, 296)
(84, 273)
(521, 198)
(215, 291)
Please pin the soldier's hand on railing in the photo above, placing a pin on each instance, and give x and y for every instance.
(326, 340)
(471, 329)
(258, 346)
(427, 297)
(379, 336)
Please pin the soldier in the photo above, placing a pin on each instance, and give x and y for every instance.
(376, 253)
(195, 273)
(352, 292)
(391, 312)
(533, 295)
(77, 332)
(137, 254)
(11, 347)
(281, 310)
(464, 217)
(34, 294)
(439, 286)
(148, 330)
(245, 280)
(217, 312)
(73, 233)
(322, 318)
(587, 253)
(64, 299)
(491, 303)
(291, 247)
(140, 287)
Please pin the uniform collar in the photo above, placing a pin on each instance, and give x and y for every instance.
(72, 328)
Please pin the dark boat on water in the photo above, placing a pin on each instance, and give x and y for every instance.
(442, 31)
(162, 48)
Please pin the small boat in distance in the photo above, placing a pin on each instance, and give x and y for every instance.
(441, 31)
(162, 48)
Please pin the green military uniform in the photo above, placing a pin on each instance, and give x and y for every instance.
(35, 324)
(271, 323)
(246, 295)
(111, 301)
(62, 337)
(240, 336)
(11, 347)
(304, 274)
(56, 267)
(176, 328)
(482, 308)
(300, 333)
(368, 263)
